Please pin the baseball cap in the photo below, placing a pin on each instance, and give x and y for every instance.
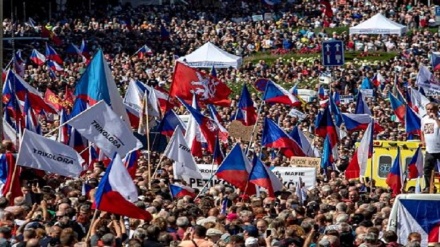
(232, 216)
(251, 241)
(213, 232)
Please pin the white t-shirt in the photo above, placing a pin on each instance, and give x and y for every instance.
(432, 134)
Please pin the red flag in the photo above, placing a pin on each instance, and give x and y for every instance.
(328, 8)
(13, 178)
(46, 33)
(52, 99)
(69, 98)
(208, 89)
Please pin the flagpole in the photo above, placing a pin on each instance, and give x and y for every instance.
(158, 165)
(148, 141)
(91, 224)
(255, 126)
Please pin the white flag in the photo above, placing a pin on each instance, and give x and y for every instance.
(178, 150)
(100, 125)
(42, 153)
(120, 179)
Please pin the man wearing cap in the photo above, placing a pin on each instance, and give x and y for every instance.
(213, 235)
(249, 231)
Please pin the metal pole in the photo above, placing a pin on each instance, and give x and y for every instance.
(1, 66)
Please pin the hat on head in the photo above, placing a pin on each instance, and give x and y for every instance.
(251, 241)
(251, 230)
(213, 232)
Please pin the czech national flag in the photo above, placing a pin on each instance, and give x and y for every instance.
(246, 113)
(179, 191)
(357, 122)
(30, 119)
(54, 66)
(63, 132)
(335, 111)
(273, 136)
(38, 58)
(218, 155)
(274, 93)
(398, 107)
(207, 126)
(358, 163)
(361, 105)
(117, 191)
(321, 93)
(325, 126)
(235, 170)
(131, 162)
(299, 137)
(435, 60)
(394, 178)
(143, 51)
(413, 123)
(51, 54)
(415, 166)
(84, 50)
(378, 80)
(263, 177)
(169, 123)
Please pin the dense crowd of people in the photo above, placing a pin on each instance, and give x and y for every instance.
(54, 211)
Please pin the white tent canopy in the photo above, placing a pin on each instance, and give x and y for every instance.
(209, 55)
(378, 24)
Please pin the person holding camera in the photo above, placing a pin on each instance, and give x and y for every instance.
(430, 137)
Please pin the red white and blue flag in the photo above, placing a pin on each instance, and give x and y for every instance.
(415, 166)
(143, 52)
(273, 136)
(236, 169)
(394, 178)
(179, 191)
(274, 93)
(116, 192)
(246, 112)
(261, 176)
(51, 54)
(37, 57)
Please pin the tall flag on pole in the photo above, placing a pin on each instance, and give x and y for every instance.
(97, 83)
(327, 156)
(117, 188)
(328, 8)
(415, 166)
(235, 170)
(398, 107)
(413, 123)
(208, 89)
(223, 133)
(179, 191)
(261, 176)
(325, 126)
(30, 119)
(143, 52)
(274, 93)
(246, 113)
(358, 163)
(274, 136)
(394, 178)
(51, 54)
(169, 123)
(178, 150)
(361, 105)
(208, 128)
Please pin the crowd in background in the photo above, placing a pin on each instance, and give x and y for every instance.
(337, 212)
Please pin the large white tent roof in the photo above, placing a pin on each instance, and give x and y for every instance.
(209, 55)
(378, 24)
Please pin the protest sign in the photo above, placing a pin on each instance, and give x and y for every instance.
(289, 176)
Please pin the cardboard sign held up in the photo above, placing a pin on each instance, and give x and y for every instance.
(305, 162)
(238, 130)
